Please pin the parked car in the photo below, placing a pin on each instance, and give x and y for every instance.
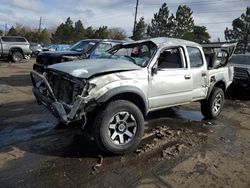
(127, 83)
(84, 49)
(241, 65)
(15, 48)
(57, 47)
(36, 48)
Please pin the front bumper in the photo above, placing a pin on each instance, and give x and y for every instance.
(44, 94)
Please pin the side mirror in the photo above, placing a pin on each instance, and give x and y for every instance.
(154, 69)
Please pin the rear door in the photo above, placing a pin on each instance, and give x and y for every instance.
(171, 83)
(198, 71)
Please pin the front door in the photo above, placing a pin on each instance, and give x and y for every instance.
(171, 82)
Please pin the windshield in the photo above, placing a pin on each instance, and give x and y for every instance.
(138, 53)
(238, 59)
(83, 46)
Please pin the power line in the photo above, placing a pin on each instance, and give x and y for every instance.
(107, 18)
(204, 23)
(195, 2)
(212, 12)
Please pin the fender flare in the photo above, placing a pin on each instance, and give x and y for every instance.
(125, 89)
(212, 87)
(12, 49)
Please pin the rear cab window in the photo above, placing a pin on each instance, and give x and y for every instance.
(195, 57)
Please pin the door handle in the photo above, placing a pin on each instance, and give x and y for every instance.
(203, 74)
(187, 77)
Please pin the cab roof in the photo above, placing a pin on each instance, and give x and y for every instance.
(160, 41)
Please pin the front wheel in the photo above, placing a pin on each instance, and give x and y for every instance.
(212, 107)
(119, 127)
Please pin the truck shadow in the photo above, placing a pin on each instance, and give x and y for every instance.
(33, 129)
(16, 81)
(238, 93)
(41, 137)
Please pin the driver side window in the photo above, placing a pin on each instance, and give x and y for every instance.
(170, 59)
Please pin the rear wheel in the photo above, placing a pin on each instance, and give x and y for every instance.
(212, 107)
(119, 127)
(16, 56)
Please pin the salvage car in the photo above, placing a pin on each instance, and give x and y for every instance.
(84, 49)
(241, 64)
(57, 47)
(15, 48)
(131, 80)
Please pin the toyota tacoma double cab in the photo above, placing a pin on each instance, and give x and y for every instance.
(116, 92)
(15, 48)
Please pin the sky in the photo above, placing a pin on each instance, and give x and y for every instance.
(216, 15)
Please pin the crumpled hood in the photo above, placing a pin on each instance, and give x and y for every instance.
(88, 68)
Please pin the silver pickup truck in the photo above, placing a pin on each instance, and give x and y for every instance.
(117, 90)
(15, 48)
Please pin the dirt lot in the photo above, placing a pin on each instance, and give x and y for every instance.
(179, 149)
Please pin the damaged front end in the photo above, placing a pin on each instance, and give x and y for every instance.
(65, 96)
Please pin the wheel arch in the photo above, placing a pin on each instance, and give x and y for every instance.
(15, 49)
(129, 93)
(220, 84)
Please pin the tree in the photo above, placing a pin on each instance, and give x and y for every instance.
(184, 23)
(12, 32)
(90, 32)
(240, 32)
(102, 32)
(172, 26)
(161, 23)
(44, 36)
(64, 32)
(79, 32)
(1, 33)
(140, 30)
(200, 34)
(116, 33)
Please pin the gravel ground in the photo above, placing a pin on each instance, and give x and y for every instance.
(179, 148)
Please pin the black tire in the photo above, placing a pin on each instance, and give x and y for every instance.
(16, 56)
(110, 122)
(212, 107)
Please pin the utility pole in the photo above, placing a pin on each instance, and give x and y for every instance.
(136, 8)
(5, 29)
(40, 25)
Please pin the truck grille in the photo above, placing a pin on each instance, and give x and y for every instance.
(240, 73)
(64, 89)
